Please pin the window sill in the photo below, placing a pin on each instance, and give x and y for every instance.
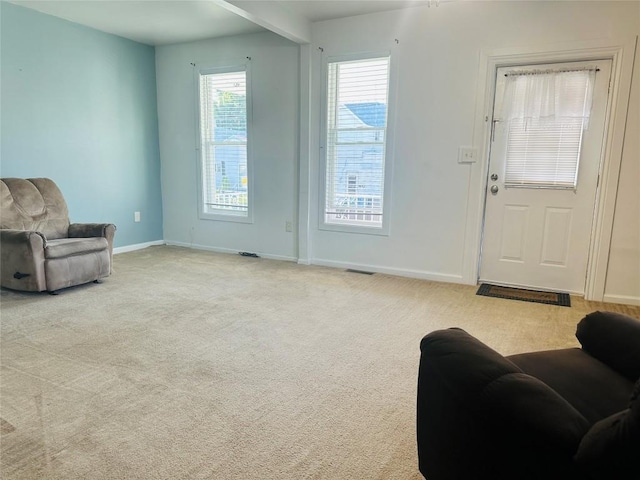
(382, 231)
(226, 217)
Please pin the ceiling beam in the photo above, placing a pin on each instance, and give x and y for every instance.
(272, 16)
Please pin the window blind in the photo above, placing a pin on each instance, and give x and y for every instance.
(543, 154)
(546, 114)
(357, 98)
(223, 120)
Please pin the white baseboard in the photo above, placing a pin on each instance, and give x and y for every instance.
(624, 299)
(229, 250)
(137, 246)
(423, 275)
(401, 272)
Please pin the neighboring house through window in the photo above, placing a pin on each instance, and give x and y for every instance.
(355, 161)
(224, 144)
(352, 184)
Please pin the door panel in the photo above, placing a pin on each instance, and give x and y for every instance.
(514, 230)
(539, 237)
(556, 236)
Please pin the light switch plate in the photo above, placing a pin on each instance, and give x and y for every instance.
(467, 154)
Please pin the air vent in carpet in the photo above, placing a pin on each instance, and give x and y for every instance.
(361, 272)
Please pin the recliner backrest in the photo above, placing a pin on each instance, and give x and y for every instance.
(34, 204)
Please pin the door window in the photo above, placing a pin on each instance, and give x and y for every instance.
(546, 113)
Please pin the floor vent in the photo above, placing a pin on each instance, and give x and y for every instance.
(361, 272)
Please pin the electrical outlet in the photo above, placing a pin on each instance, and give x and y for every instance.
(288, 226)
(467, 154)
(136, 216)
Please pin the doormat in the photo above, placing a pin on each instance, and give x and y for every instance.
(536, 296)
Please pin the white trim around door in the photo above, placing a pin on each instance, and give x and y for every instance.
(621, 53)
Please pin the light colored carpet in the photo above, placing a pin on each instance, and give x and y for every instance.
(189, 364)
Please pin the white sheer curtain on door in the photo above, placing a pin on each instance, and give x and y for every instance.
(545, 113)
(548, 95)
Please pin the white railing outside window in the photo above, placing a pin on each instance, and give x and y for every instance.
(360, 208)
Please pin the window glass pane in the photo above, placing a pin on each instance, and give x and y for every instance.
(360, 136)
(223, 110)
(356, 136)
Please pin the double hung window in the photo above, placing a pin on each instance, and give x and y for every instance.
(224, 130)
(355, 161)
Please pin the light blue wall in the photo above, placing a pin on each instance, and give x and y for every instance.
(79, 106)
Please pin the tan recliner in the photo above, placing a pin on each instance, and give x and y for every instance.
(39, 249)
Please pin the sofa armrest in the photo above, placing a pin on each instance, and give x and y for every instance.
(474, 403)
(22, 257)
(614, 339)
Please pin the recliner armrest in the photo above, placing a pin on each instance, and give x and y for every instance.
(614, 339)
(462, 362)
(86, 230)
(9, 236)
(22, 259)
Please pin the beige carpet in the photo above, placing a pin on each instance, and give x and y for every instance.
(188, 364)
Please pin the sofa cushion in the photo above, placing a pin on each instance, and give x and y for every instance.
(611, 448)
(65, 247)
(531, 413)
(612, 338)
(593, 388)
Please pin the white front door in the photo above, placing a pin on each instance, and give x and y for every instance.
(538, 211)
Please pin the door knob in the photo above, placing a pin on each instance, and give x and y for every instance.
(494, 177)
(494, 189)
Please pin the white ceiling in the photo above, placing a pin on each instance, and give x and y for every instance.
(319, 10)
(150, 22)
(162, 22)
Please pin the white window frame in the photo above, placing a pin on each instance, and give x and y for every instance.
(383, 228)
(220, 214)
